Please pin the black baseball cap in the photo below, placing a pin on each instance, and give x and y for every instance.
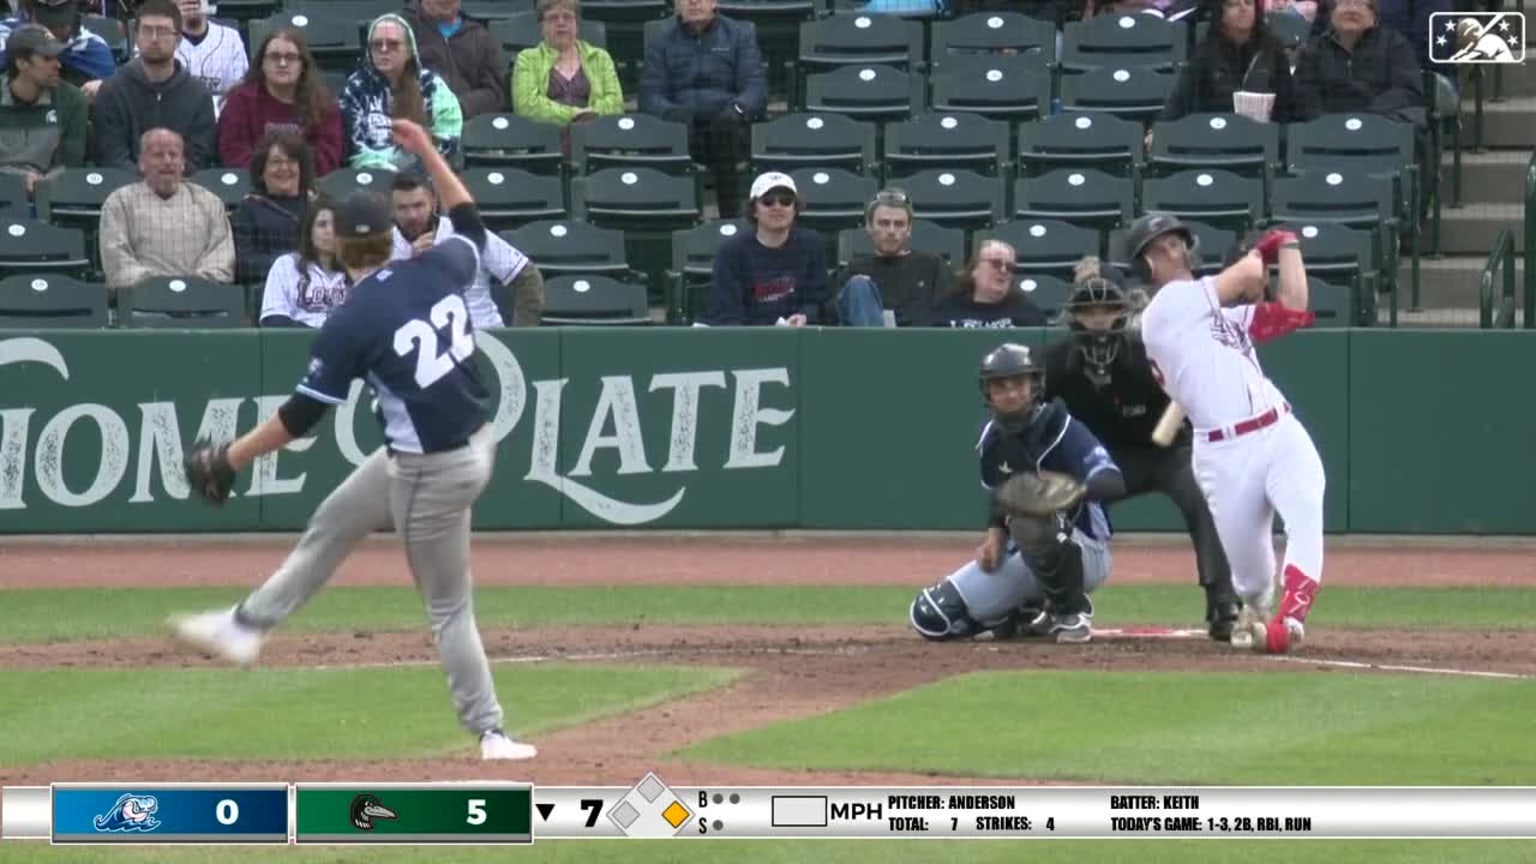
(364, 213)
(31, 39)
(53, 13)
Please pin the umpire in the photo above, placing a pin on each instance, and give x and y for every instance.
(1102, 374)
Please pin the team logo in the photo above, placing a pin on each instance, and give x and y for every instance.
(1477, 37)
(366, 808)
(130, 813)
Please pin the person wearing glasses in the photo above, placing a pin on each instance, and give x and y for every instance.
(985, 294)
(154, 91)
(774, 274)
(284, 94)
(391, 84)
(895, 278)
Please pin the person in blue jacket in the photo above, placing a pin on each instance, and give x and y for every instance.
(87, 59)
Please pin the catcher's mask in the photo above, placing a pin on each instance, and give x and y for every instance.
(1097, 314)
(1007, 361)
(1148, 228)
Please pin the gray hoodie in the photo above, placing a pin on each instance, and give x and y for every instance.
(129, 104)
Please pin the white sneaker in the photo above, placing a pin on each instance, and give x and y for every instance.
(1249, 632)
(496, 745)
(220, 635)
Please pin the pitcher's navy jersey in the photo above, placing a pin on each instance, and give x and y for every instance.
(1054, 441)
(406, 330)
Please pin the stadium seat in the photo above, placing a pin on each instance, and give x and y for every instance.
(1133, 92)
(230, 184)
(1046, 247)
(1361, 143)
(625, 140)
(1335, 305)
(1122, 40)
(360, 11)
(1230, 142)
(1000, 87)
(873, 92)
(1352, 199)
(593, 300)
(342, 182)
(512, 141)
(35, 301)
(181, 302)
(509, 197)
(1048, 293)
(778, 35)
(1080, 196)
(562, 247)
(31, 246)
(814, 140)
(645, 204)
(959, 140)
(693, 262)
(13, 192)
(854, 39)
(956, 198)
(73, 198)
(335, 38)
(1219, 198)
(111, 31)
(1292, 30)
(927, 236)
(1338, 253)
(1100, 141)
(990, 32)
(832, 199)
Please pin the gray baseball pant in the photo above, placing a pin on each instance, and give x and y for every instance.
(428, 498)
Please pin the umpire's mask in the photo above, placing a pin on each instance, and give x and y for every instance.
(1097, 314)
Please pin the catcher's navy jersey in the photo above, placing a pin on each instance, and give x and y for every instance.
(406, 330)
(1053, 441)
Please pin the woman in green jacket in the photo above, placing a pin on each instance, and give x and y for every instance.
(563, 79)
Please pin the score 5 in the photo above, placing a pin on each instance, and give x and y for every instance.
(476, 811)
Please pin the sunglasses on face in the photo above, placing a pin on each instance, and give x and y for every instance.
(386, 45)
(782, 199)
(1002, 265)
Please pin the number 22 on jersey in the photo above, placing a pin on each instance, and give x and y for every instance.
(417, 335)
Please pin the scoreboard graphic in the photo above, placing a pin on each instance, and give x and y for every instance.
(484, 813)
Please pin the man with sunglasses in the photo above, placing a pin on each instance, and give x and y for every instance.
(895, 277)
(775, 274)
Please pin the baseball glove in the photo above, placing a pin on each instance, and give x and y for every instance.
(208, 471)
(1039, 494)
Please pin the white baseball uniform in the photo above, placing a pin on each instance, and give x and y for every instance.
(1252, 457)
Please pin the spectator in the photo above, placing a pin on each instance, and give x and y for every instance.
(1411, 18)
(463, 52)
(306, 286)
(895, 278)
(507, 287)
(775, 275)
(985, 294)
(87, 59)
(705, 70)
(564, 79)
(212, 53)
(154, 91)
(389, 85)
(42, 117)
(284, 92)
(163, 225)
(1238, 54)
(266, 224)
(1357, 65)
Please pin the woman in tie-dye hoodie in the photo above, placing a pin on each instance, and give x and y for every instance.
(388, 84)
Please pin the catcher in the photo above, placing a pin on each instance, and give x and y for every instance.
(1047, 540)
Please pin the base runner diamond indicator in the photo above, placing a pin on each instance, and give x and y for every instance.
(649, 810)
(676, 815)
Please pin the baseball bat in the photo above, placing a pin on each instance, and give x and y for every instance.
(1168, 426)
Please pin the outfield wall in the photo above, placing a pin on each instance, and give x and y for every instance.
(726, 428)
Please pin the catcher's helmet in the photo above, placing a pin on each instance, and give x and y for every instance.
(1008, 361)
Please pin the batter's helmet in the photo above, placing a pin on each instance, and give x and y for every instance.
(1148, 228)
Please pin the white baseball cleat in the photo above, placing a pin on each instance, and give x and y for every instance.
(496, 745)
(1250, 632)
(219, 634)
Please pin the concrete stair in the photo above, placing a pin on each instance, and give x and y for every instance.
(1493, 176)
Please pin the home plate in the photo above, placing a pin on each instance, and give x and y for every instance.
(1147, 633)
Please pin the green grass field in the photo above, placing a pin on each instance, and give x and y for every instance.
(1294, 726)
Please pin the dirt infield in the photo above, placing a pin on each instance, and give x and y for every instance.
(788, 672)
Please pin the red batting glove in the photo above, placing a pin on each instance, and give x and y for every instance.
(1269, 244)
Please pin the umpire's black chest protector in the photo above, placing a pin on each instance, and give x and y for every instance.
(1121, 406)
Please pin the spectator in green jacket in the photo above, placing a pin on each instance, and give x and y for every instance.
(42, 117)
(564, 79)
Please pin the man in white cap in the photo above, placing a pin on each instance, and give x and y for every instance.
(776, 274)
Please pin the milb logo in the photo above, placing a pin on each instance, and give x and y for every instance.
(1477, 37)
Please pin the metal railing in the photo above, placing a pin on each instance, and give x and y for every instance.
(1498, 313)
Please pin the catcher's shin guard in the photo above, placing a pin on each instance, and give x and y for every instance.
(1056, 561)
(939, 613)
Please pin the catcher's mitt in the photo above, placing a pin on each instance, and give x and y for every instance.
(1039, 494)
(208, 471)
